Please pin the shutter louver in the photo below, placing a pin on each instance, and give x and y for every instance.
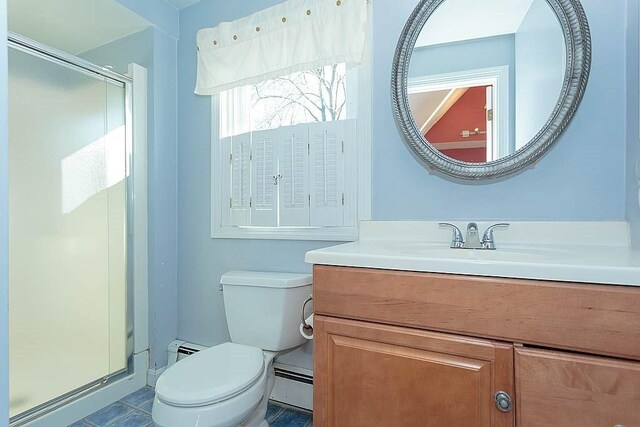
(225, 178)
(264, 211)
(294, 184)
(240, 179)
(327, 174)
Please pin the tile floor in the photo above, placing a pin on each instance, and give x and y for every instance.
(134, 410)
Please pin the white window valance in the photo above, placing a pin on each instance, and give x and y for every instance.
(296, 35)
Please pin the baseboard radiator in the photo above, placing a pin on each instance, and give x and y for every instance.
(293, 386)
(283, 372)
(178, 350)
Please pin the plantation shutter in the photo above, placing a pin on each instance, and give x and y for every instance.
(264, 203)
(294, 183)
(239, 184)
(225, 178)
(327, 174)
(350, 156)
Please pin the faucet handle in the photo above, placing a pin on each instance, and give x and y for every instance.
(457, 241)
(487, 238)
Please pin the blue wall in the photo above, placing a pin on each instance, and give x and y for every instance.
(136, 47)
(163, 199)
(633, 112)
(155, 49)
(470, 55)
(4, 225)
(582, 178)
(161, 14)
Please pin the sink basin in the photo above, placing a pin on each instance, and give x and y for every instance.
(501, 254)
(557, 251)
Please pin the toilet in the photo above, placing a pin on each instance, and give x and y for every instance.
(230, 384)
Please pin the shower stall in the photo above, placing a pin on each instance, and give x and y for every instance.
(74, 250)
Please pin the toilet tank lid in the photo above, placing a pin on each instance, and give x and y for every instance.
(266, 279)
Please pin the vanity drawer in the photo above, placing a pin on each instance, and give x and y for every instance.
(579, 317)
(564, 389)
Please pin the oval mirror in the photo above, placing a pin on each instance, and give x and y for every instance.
(482, 88)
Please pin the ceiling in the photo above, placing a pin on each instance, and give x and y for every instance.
(459, 20)
(181, 4)
(73, 26)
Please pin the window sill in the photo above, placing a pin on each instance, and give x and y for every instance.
(331, 234)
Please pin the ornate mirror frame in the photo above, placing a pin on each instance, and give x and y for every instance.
(578, 43)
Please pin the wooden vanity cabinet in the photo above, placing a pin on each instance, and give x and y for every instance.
(377, 375)
(420, 349)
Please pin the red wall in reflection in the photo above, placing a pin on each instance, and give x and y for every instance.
(466, 114)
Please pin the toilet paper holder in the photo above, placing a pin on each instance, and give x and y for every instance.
(305, 325)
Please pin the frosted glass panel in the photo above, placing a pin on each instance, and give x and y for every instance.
(67, 206)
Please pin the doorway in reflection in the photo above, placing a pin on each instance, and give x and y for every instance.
(458, 121)
(465, 115)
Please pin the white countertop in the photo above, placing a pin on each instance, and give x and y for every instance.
(598, 252)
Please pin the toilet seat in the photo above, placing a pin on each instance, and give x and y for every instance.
(210, 376)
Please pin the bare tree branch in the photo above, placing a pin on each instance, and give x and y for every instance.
(319, 93)
(293, 101)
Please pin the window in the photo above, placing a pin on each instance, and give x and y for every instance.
(290, 120)
(290, 156)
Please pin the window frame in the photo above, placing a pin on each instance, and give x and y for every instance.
(362, 205)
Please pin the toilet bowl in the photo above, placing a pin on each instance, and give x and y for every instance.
(229, 384)
(222, 386)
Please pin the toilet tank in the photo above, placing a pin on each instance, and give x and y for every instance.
(264, 308)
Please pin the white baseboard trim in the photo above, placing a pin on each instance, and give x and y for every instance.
(153, 375)
(98, 399)
(291, 391)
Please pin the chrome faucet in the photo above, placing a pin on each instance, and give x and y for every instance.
(457, 241)
(473, 237)
(487, 237)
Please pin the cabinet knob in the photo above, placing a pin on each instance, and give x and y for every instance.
(503, 401)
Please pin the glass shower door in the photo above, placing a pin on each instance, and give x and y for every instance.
(67, 230)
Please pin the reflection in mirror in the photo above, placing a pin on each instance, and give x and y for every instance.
(485, 76)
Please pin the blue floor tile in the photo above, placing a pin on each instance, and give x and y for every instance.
(139, 398)
(135, 411)
(290, 418)
(133, 419)
(109, 414)
(273, 410)
(147, 407)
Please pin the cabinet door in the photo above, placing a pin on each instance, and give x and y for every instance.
(565, 389)
(376, 375)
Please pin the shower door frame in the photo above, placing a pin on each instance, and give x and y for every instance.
(81, 402)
